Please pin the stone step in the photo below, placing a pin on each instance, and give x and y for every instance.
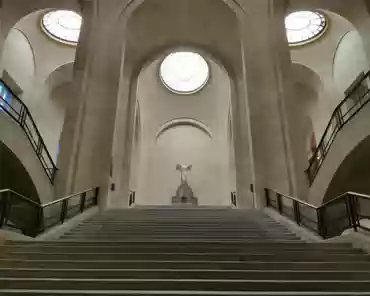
(98, 284)
(222, 265)
(288, 245)
(173, 228)
(185, 274)
(184, 233)
(10, 292)
(122, 238)
(190, 222)
(174, 249)
(293, 257)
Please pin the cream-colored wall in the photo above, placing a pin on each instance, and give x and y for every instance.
(332, 63)
(30, 57)
(319, 57)
(19, 60)
(258, 63)
(349, 60)
(157, 179)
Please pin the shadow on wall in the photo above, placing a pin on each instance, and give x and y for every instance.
(353, 174)
(14, 176)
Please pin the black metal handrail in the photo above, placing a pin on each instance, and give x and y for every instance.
(343, 113)
(349, 210)
(31, 218)
(19, 112)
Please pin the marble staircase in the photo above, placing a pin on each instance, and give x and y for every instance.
(182, 251)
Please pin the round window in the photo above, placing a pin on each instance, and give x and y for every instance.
(62, 25)
(304, 26)
(184, 72)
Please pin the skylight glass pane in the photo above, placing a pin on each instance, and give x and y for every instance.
(63, 25)
(184, 72)
(304, 26)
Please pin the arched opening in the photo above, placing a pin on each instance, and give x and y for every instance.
(200, 37)
(353, 173)
(182, 129)
(14, 176)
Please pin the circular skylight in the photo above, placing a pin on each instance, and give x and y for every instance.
(304, 26)
(184, 72)
(62, 25)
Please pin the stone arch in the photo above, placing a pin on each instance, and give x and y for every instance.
(356, 13)
(14, 174)
(19, 60)
(184, 122)
(137, 56)
(17, 142)
(15, 10)
(61, 75)
(305, 75)
(344, 10)
(353, 173)
(154, 47)
(234, 5)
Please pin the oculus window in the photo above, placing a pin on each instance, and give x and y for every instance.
(184, 72)
(62, 25)
(305, 26)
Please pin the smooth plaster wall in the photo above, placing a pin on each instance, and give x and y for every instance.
(157, 178)
(319, 56)
(349, 61)
(30, 57)
(19, 60)
(299, 108)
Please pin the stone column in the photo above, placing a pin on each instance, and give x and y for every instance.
(88, 131)
(267, 65)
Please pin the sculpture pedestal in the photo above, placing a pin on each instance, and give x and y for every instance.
(184, 196)
(184, 201)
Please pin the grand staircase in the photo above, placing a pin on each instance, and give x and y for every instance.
(168, 251)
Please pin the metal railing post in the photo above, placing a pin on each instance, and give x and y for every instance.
(39, 219)
(352, 211)
(267, 197)
(4, 208)
(96, 195)
(39, 147)
(321, 222)
(64, 211)
(296, 212)
(22, 117)
(82, 202)
(339, 118)
(279, 203)
(53, 172)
